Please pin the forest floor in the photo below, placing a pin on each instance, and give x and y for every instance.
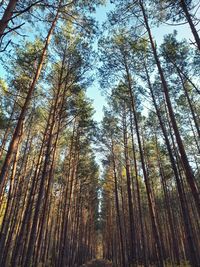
(98, 263)
(105, 263)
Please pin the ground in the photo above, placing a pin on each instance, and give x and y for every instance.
(98, 263)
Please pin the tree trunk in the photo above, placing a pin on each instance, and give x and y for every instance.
(7, 16)
(187, 168)
(148, 188)
(14, 141)
(189, 19)
(129, 193)
(193, 256)
(117, 209)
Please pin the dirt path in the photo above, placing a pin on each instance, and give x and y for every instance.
(98, 263)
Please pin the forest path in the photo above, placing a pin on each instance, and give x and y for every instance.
(98, 263)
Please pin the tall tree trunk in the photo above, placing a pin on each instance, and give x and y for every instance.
(117, 209)
(193, 256)
(129, 193)
(144, 250)
(175, 250)
(148, 188)
(187, 168)
(14, 141)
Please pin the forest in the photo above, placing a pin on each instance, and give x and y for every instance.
(123, 191)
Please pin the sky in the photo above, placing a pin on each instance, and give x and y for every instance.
(94, 91)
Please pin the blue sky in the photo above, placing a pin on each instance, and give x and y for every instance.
(94, 91)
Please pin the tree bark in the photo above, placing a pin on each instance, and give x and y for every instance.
(14, 141)
(187, 168)
(189, 19)
(7, 16)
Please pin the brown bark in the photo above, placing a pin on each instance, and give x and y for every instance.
(14, 141)
(117, 208)
(177, 178)
(7, 16)
(144, 250)
(148, 188)
(129, 191)
(191, 23)
(187, 168)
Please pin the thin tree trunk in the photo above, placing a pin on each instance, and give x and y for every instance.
(117, 209)
(144, 250)
(129, 193)
(189, 19)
